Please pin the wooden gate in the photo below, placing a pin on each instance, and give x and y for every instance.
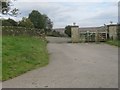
(93, 36)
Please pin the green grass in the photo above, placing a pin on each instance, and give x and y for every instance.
(21, 54)
(114, 42)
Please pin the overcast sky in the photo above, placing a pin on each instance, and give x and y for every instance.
(62, 13)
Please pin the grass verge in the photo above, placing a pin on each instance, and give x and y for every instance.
(21, 54)
(114, 42)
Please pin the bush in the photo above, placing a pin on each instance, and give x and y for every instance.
(68, 30)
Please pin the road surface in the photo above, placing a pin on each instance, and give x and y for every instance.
(73, 66)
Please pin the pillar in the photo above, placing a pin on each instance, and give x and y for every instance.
(75, 35)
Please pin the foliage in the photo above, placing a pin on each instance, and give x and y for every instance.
(40, 21)
(48, 23)
(9, 22)
(25, 22)
(21, 54)
(36, 19)
(68, 30)
(6, 23)
(6, 8)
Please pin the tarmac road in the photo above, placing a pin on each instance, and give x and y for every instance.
(73, 66)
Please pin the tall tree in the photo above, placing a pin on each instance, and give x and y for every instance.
(25, 22)
(40, 21)
(48, 23)
(36, 18)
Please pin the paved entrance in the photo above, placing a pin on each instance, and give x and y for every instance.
(73, 66)
(59, 39)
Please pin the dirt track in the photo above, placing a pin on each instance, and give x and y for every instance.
(73, 66)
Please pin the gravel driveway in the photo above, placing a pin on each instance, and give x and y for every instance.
(73, 66)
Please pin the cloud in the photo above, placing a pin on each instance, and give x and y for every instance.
(62, 13)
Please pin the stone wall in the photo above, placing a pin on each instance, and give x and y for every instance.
(16, 31)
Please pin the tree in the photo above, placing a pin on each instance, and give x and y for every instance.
(25, 22)
(48, 23)
(6, 8)
(6, 23)
(14, 23)
(36, 19)
(9, 22)
(40, 21)
(68, 30)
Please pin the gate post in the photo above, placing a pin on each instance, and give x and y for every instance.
(75, 35)
(97, 36)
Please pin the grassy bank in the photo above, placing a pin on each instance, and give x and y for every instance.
(114, 42)
(21, 54)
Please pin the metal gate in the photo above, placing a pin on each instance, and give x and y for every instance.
(92, 36)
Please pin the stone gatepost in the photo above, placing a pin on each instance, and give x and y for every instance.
(75, 35)
(96, 36)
